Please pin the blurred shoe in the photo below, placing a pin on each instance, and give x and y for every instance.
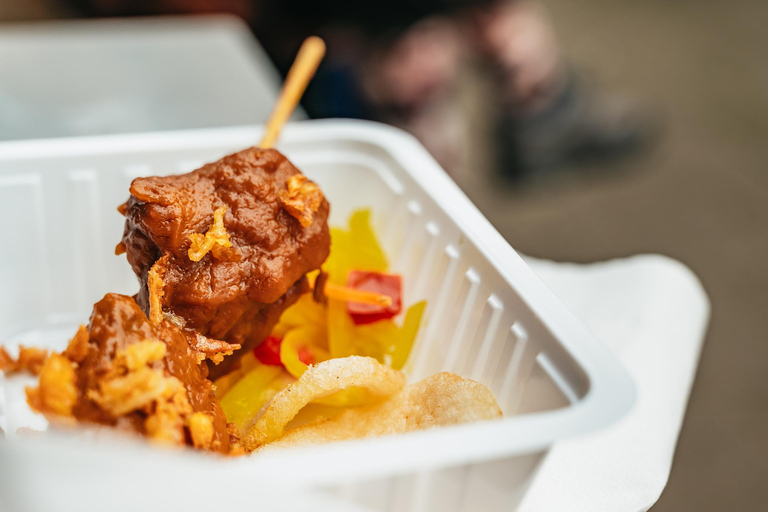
(579, 125)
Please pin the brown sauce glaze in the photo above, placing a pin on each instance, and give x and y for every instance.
(116, 323)
(240, 297)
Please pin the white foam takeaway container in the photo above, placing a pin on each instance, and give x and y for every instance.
(489, 318)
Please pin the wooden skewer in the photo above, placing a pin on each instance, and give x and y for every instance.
(301, 72)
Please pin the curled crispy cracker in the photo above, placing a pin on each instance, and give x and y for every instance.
(31, 359)
(301, 198)
(215, 240)
(440, 400)
(446, 399)
(319, 381)
(215, 350)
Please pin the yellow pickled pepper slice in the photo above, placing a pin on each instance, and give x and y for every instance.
(294, 341)
(407, 335)
(366, 253)
(244, 400)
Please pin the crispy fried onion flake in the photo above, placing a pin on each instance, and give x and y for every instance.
(301, 198)
(156, 287)
(56, 392)
(78, 346)
(130, 384)
(56, 395)
(215, 350)
(31, 359)
(216, 240)
(134, 383)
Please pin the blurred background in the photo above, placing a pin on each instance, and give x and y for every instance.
(584, 130)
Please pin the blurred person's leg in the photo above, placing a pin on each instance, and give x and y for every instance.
(394, 62)
(547, 114)
(399, 62)
(410, 82)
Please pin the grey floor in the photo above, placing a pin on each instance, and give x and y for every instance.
(700, 196)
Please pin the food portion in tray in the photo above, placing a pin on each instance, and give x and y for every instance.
(256, 326)
(124, 371)
(231, 243)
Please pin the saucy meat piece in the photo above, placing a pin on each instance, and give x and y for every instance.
(124, 371)
(255, 224)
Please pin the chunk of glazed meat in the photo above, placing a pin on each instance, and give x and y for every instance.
(143, 377)
(237, 289)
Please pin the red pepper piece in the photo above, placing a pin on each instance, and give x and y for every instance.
(268, 352)
(306, 356)
(385, 284)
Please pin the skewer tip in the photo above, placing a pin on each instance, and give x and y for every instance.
(301, 72)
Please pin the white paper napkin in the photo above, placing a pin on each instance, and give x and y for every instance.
(652, 313)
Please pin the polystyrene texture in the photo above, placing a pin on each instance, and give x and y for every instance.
(488, 318)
